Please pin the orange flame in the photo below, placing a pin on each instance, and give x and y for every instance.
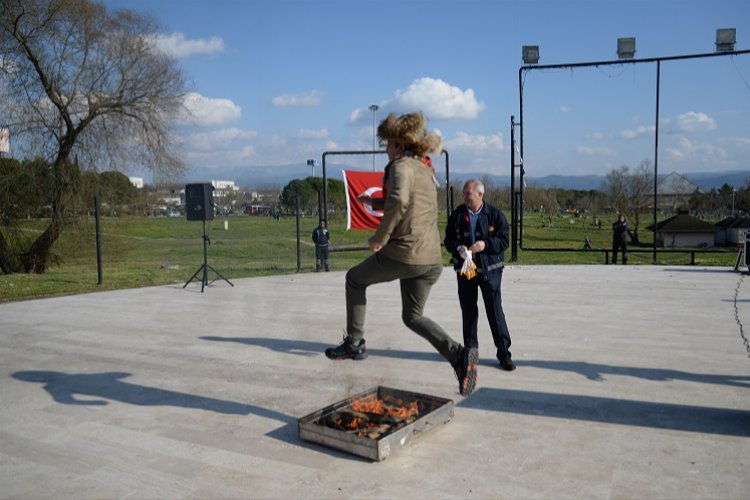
(377, 406)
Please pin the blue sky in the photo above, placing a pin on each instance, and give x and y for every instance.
(276, 82)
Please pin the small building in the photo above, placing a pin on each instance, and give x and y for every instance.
(684, 231)
(731, 231)
(674, 192)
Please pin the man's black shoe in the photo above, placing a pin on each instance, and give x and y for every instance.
(347, 350)
(466, 370)
(506, 363)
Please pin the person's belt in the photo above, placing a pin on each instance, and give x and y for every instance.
(497, 265)
(492, 267)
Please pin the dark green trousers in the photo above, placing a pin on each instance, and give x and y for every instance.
(416, 282)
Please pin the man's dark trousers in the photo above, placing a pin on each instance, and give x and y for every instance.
(468, 293)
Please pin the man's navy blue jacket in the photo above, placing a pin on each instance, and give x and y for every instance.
(492, 228)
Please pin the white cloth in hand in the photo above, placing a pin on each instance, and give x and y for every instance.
(468, 269)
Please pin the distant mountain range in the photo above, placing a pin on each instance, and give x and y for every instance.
(264, 176)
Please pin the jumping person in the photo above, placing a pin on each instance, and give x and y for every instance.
(406, 247)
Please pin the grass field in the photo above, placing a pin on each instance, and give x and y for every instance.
(143, 251)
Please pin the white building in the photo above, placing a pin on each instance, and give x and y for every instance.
(137, 182)
(225, 185)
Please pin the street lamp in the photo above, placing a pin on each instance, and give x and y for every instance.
(373, 108)
(311, 163)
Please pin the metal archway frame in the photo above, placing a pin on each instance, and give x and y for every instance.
(517, 205)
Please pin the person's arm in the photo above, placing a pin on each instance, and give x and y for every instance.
(451, 241)
(498, 239)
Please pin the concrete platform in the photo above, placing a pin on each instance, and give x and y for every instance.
(632, 382)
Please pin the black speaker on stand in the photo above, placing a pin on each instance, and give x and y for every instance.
(199, 205)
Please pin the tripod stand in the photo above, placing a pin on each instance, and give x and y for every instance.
(205, 267)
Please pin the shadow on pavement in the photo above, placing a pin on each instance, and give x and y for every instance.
(306, 348)
(67, 388)
(594, 371)
(612, 411)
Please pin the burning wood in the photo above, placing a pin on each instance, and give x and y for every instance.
(376, 422)
(373, 417)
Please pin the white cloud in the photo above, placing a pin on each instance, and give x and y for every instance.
(476, 143)
(439, 100)
(564, 109)
(697, 153)
(176, 45)
(637, 132)
(302, 100)
(588, 151)
(207, 111)
(435, 98)
(247, 152)
(674, 154)
(313, 134)
(694, 122)
(218, 139)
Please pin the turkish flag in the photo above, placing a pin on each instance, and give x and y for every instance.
(356, 183)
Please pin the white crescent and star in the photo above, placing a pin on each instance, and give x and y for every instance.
(369, 192)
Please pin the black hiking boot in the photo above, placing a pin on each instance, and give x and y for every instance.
(346, 350)
(466, 370)
(506, 363)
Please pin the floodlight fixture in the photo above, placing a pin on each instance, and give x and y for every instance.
(312, 163)
(725, 39)
(626, 48)
(530, 54)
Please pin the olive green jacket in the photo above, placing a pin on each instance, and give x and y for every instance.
(408, 230)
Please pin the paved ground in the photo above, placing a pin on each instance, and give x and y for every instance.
(632, 382)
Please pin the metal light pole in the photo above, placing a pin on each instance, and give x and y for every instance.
(373, 108)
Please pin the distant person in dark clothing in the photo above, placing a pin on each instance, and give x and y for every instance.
(320, 237)
(620, 239)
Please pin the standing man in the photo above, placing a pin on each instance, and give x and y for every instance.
(620, 239)
(478, 231)
(405, 247)
(320, 237)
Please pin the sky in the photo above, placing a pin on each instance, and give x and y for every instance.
(274, 83)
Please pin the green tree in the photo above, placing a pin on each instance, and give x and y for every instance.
(81, 82)
(117, 191)
(299, 191)
(24, 190)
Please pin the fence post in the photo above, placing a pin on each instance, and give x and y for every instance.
(98, 241)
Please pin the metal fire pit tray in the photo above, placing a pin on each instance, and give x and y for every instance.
(433, 411)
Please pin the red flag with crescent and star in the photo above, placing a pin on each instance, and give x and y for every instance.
(356, 183)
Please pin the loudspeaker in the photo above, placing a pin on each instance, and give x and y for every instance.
(199, 202)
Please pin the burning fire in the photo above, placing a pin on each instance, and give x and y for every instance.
(376, 406)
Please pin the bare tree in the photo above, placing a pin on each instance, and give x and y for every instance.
(630, 193)
(78, 81)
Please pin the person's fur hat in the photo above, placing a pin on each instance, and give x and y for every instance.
(411, 130)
